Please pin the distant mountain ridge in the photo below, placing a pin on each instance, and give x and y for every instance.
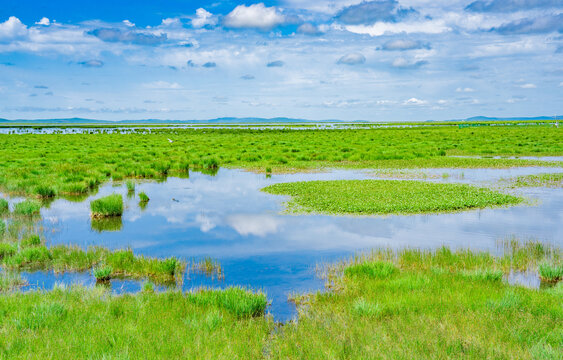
(248, 120)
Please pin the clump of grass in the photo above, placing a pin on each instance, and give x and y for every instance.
(4, 206)
(483, 275)
(45, 191)
(111, 205)
(143, 198)
(364, 308)
(367, 197)
(209, 267)
(2, 228)
(130, 186)
(33, 240)
(148, 287)
(102, 273)
(27, 208)
(374, 270)
(7, 250)
(550, 272)
(238, 301)
(10, 281)
(29, 258)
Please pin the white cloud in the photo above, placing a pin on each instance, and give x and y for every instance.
(381, 28)
(466, 90)
(255, 16)
(528, 86)
(12, 28)
(203, 18)
(259, 225)
(128, 23)
(415, 101)
(352, 59)
(162, 85)
(44, 21)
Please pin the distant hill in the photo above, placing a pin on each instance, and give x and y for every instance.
(246, 120)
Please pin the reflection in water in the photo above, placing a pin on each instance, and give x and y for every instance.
(113, 223)
(226, 217)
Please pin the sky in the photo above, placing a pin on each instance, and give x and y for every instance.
(384, 60)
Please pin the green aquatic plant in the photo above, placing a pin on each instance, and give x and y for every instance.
(4, 206)
(483, 275)
(2, 228)
(102, 273)
(10, 281)
(143, 198)
(27, 208)
(111, 205)
(45, 191)
(554, 180)
(33, 240)
(130, 186)
(551, 272)
(7, 250)
(367, 197)
(209, 267)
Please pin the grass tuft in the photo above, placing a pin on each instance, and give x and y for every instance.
(111, 205)
(102, 273)
(483, 275)
(143, 198)
(551, 272)
(27, 208)
(374, 270)
(4, 206)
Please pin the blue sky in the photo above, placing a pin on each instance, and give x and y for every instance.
(322, 59)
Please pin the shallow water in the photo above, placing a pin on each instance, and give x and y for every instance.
(227, 218)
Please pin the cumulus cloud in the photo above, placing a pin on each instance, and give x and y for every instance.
(255, 224)
(44, 21)
(203, 18)
(256, 16)
(309, 29)
(277, 63)
(510, 5)
(427, 26)
(415, 101)
(162, 85)
(403, 63)
(352, 59)
(92, 63)
(544, 24)
(373, 11)
(402, 45)
(12, 28)
(132, 37)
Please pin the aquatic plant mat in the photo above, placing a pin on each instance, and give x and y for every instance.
(411, 304)
(379, 197)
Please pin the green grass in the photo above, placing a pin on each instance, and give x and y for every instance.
(79, 323)
(366, 197)
(62, 258)
(27, 208)
(4, 206)
(130, 186)
(10, 281)
(416, 304)
(551, 272)
(209, 267)
(74, 164)
(111, 205)
(102, 273)
(33, 240)
(2, 228)
(554, 180)
(143, 198)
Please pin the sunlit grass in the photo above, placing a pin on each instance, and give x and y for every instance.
(554, 180)
(27, 208)
(111, 205)
(365, 197)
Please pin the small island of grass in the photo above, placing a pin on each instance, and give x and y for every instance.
(111, 205)
(381, 197)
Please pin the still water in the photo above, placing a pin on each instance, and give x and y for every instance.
(227, 218)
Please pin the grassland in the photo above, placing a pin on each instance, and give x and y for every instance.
(73, 164)
(380, 197)
(410, 304)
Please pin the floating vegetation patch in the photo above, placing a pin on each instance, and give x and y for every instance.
(374, 197)
(111, 205)
(554, 180)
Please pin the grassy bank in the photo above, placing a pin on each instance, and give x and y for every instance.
(367, 197)
(411, 304)
(73, 164)
(428, 305)
(79, 323)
